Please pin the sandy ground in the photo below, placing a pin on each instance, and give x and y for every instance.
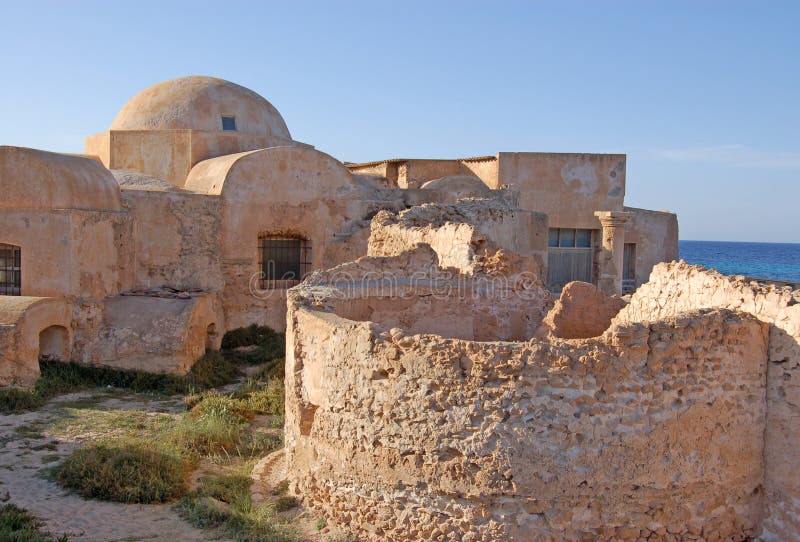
(28, 448)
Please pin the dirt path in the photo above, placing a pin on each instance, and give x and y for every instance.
(32, 442)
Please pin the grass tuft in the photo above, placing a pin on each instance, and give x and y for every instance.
(126, 470)
(19, 525)
(254, 344)
(224, 502)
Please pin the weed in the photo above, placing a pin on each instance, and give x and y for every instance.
(282, 504)
(282, 488)
(224, 502)
(254, 344)
(18, 525)
(50, 446)
(213, 369)
(125, 470)
(321, 524)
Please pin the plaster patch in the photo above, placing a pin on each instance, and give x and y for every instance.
(580, 178)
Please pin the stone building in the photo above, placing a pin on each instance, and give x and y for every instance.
(196, 211)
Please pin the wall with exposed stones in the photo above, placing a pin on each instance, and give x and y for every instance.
(465, 235)
(678, 287)
(650, 431)
(176, 238)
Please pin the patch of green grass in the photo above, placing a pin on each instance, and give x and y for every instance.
(282, 504)
(255, 344)
(213, 369)
(50, 458)
(216, 428)
(18, 525)
(224, 502)
(321, 524)
(30, 431)
(125, 470)
(76, 423)
(50, 446)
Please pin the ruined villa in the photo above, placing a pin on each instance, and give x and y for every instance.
(446, 376)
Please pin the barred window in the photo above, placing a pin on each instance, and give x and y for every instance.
(10, 275)
(285, 261)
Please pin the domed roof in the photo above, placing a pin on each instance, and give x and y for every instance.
(34, 179)
(199, 103)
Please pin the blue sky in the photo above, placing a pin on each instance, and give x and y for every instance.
(701, 96)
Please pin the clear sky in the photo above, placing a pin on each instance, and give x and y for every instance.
(702, 96)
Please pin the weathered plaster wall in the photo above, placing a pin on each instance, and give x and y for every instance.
(651, 430)
(678, 287)
(70, 252)
(158, 335)
(176, 238)
(656, 236)
(22, 319)
(171, 154)
(165, 154)
(568, 187)
(283, 190)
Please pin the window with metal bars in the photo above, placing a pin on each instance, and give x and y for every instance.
(285, 261)
(10, 270)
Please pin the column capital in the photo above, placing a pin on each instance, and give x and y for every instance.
(613, 218)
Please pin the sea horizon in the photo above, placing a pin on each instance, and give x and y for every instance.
(755, 259)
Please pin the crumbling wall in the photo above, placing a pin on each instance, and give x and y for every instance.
(464, 234)
(146, 332)
(678, 287)
(648, 431)
(177, 238)
(580, 312)
(501, 305)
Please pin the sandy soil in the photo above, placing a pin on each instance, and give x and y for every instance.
(29, 447)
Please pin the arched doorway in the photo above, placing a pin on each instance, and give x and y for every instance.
(211, 337)
(54, 343)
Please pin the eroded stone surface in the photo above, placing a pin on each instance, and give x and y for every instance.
(581, 311)
(411, 437)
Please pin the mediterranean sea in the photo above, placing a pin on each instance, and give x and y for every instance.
(777, 261)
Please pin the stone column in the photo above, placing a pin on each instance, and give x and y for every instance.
(613, 248)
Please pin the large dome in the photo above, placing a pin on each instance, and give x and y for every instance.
(200, 103)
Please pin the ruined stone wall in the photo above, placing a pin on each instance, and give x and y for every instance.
(482, 307)
(581, 311)
(678, 287)
(465, 234)
(649, 431)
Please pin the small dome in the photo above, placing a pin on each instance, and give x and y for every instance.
(34, 179)
(200, 103)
